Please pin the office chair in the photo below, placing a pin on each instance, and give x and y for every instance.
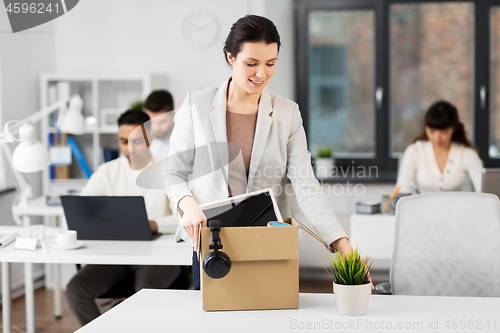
(446, 244)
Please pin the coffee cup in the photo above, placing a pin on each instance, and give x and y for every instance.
(66, 238)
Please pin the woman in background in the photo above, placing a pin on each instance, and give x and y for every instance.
(440, 158)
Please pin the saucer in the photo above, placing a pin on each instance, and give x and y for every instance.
(57, 246)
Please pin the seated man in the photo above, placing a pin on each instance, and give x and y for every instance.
(159, 106)
(117, 178)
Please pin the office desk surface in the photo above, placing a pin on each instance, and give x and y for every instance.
(162, 251)
(181, 311)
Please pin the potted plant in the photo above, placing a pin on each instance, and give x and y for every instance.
(137, 105)
(323, 162)
(351, 285)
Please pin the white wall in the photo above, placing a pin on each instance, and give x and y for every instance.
(281, 13)
(129, 35)
(23, 56)
(3, 182)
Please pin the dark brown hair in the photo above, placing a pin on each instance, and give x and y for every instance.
(133, 117)
(159, 100)
(442, 115)
(251, 28)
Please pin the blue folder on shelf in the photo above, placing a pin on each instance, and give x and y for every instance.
(78, 155)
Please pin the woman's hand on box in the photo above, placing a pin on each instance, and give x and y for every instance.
(192, 219)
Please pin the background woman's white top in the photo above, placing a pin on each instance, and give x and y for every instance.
(419, 164)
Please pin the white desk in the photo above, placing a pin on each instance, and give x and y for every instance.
(38, 207)
(178, 310)
(162, 251)
(373, 234)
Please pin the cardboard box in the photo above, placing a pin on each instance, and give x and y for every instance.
(264, 269)
(264, 263)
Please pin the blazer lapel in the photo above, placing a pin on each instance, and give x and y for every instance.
(264, 122)
(218, 128)
(218, 114)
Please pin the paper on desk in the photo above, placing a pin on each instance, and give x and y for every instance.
(26, 243)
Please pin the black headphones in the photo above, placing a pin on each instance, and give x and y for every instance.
(216, 264)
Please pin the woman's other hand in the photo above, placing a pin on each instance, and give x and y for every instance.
(192, 218)
(343, 246)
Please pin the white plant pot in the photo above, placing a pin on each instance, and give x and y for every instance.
(352, 300)
(324, 167)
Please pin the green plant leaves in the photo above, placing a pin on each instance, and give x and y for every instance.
(324, 152)
(351, 269)
(137, 105)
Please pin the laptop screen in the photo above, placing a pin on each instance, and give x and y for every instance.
(107, 218)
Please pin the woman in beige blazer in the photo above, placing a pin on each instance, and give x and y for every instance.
(268, 129)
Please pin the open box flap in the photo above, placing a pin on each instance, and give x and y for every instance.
(292, 221)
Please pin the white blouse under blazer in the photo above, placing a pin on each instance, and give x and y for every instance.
(419, 164)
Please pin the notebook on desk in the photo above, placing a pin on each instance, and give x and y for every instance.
(107, 218)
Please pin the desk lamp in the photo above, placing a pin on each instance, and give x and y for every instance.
(31, 155)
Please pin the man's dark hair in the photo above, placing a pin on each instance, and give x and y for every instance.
(133, 117)
(158, 101)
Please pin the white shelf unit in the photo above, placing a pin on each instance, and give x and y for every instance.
(98, 91)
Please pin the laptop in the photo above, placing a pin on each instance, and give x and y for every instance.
(491, 181)
(107, 218)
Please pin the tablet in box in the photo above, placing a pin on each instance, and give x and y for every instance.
(249, 209)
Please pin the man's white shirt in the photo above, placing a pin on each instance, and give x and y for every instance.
(160, 148)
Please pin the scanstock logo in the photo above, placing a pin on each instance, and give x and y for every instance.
(24, 14)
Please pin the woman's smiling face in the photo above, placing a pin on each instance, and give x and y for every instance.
(254, 66)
